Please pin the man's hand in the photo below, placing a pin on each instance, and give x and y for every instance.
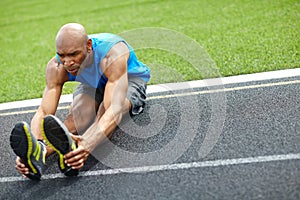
(22, 169)
(77, 157)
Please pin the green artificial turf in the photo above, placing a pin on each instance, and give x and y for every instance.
(232, 36)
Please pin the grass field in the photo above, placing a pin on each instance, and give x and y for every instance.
(240, 36)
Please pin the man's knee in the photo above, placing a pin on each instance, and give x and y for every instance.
(70, 124)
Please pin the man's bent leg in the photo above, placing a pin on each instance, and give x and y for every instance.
(83, 109)
(89, 140)
(82, 113)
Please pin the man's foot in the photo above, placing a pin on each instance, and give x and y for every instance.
(58, 138)
(31, 151)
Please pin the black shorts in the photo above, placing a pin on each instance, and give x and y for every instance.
(136, 94)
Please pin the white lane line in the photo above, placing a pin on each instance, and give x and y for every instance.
(179, 94)
(30, 111)
(226, 89)
(178, 166)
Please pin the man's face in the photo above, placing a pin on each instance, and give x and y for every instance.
(72, 55)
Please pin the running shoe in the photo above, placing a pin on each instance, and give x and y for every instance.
(31, 151)
(57, 136)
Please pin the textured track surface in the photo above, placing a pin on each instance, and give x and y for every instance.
(250, 157)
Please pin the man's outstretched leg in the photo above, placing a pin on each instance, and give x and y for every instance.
(57, 134)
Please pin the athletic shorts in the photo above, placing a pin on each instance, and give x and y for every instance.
(136, 94)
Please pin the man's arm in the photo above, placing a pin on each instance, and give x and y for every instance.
(114, 103)
(55, 78)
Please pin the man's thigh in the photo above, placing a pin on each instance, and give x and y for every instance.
(86, 96)
(94, 94)
(86, 101)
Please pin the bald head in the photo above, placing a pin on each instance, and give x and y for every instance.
(74, 48)
(71, 34)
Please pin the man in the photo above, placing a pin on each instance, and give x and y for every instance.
(113, 82)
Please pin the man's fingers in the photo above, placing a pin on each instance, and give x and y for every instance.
(78, 165)
(20, 167)
(22, 170)
(79, 157)
(77, 161)
(75, 152)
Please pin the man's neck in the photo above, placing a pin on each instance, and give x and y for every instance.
(88, 61)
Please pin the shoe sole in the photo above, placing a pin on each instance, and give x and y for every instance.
(21, 143)
(55, 137)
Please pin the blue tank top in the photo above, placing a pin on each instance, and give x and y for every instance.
(102, 43)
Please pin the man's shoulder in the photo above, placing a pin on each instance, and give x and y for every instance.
(55, 71)
(102, 35)
(105, 38)
(54, 64)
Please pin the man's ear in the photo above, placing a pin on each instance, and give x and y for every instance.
(89, 45)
